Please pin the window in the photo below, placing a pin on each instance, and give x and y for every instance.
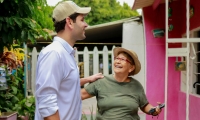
(196, 83)
(194, 68)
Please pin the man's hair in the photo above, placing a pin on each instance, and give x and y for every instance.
(61, 25)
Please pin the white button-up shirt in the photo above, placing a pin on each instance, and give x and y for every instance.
(58, 82)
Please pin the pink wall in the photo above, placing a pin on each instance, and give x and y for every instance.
(194, 110)
(155, 50)
(194, 21)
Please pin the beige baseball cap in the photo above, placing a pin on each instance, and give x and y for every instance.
(67, 8)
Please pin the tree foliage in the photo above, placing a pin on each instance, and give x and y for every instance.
(44, 17)
(26, 20)
(18, 21)
(106, 11)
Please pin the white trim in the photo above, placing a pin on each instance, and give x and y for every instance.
(145, 60)
(195, 95)
(187, 84)
(173, 52)
(145, 53)
(182, 40)
(166, 58)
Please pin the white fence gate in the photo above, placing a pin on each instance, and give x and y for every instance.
(91, 62)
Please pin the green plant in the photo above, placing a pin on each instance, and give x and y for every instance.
(83, 117)
(13, 98)
(10, 97)
(27, 108)
(92, 117)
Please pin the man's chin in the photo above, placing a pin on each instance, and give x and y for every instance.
(82, 38)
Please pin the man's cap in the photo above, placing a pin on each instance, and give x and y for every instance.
(66, 8)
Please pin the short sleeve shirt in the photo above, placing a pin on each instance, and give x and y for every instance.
(117, 100)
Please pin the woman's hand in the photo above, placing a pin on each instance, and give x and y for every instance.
(157, 110)
(151, 110)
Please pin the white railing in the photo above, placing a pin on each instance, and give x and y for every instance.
(89, 62)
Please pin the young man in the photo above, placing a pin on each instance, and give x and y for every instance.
(57, 81)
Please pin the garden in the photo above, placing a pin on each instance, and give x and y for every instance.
(18, 26)
(12, 87)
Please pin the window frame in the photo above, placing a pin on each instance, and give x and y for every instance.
(192, 67)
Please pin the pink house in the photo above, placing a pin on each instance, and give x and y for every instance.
(180, 43)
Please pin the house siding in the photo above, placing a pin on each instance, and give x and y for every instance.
(155, 55)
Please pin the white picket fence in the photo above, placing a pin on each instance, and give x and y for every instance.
(94, 61)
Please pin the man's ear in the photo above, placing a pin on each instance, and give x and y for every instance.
(69, 22)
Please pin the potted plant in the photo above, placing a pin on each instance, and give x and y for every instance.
(11, 89)
(8, 116)
(27, 108)
(3, 83)
(7, 60)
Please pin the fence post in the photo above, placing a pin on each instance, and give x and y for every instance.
(25, 71)
(105, 60)
(95, 61)
(112, 57)
(33, 69)
(86, 62)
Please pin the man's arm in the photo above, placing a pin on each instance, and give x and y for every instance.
(91, 78)
(47, 85)
(53, 117)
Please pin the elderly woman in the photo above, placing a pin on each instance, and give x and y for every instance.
(118, 95)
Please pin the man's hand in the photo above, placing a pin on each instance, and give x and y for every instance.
(95, 77)
(91, 78)
(53, 117)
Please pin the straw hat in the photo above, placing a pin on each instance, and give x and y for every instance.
(134, 56)
(67, 8)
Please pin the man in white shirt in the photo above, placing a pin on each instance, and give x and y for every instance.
(57, 78)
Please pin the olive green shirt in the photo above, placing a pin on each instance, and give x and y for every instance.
(117, 100)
